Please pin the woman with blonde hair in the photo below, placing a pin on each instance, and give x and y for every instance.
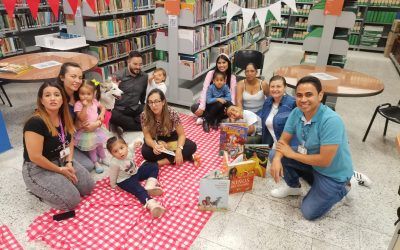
(163, 131)
(49, 170)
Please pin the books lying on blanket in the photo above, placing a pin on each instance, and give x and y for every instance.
(14, 68)
(214, 192)
(232, 138)
(241, 175)
(169, 147)
(259, 154)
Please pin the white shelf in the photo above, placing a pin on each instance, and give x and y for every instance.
(338, 47)
(345, 20)
(91, 33)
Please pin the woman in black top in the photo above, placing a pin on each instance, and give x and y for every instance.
(49, 170)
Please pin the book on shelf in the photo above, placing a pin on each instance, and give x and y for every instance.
(232, 139)
(7, 23)
(259, 154)
(14, 68)
(10, 45)
(214, 192)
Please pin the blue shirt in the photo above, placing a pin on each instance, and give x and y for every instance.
(213, 93)
(325, 128)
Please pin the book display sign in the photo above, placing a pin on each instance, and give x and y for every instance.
(333, 7)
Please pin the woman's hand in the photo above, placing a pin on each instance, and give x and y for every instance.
(90, 126)
(69, 172)
(199, 112)
(178, 157)
(157, 149)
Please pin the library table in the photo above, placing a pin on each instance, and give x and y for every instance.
(87, 62)
(343, 82)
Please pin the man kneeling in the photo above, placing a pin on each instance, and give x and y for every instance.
(323, 156)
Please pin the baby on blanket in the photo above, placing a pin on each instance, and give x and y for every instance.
(126, 175)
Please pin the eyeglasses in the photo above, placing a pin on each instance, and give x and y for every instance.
(155, 102)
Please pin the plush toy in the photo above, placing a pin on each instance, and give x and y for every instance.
(109, 93)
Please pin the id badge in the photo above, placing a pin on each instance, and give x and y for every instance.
(64, 153)
(302, 150)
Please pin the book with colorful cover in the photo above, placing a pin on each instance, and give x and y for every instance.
(14, 68)
(241, 175)
(259, 154)
(232, 139)
(214, 192)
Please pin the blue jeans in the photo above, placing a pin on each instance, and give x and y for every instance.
(324, 193)
(132, 184)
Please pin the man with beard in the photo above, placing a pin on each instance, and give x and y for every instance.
(133, 82)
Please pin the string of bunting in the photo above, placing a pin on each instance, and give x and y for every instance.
(261, 13)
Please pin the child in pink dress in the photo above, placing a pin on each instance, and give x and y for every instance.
(87, 111)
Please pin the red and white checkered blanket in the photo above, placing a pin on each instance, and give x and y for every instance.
(109, 219)
(7, 239)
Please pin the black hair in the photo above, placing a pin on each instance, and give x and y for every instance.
(311, 80)
(112, 140)
(278, 78)
(133, 54)
(92, 84)
(228, 71)
(63, 71)
(218, 73)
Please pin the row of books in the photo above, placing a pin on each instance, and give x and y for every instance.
(354, 39)
(120, 26)
(254, 4)
(10, 45)
(143, 4)
(356, 27)
(303, 9)
(197, 63)
(380, 16)
(7, 23)
(47, 18)
(104, 72)
(101, 7)
(299, 35)
(393, 3)
(283, 23)
(121, 48)
(201, 10)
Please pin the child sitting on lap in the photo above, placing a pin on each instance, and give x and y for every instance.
(126, 175)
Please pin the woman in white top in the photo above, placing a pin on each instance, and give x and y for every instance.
(251, 92)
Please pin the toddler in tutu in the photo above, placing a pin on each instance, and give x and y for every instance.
(87, 111)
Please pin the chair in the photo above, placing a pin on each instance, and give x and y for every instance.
(388, 111)
(243, 57)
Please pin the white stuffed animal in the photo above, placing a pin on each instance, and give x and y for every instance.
(109, 92)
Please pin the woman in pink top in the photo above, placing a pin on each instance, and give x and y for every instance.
(223, 65)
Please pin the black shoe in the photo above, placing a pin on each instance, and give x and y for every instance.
(206, 126)
(215, 125)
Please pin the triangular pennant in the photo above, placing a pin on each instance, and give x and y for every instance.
(247, 15)
(74, 5)
(107, 2)
(9, 5)
(34, 7)
(262, 15)
(276, 10)
(217, 4)
(291, 4)
(54, 5)
(231, 10)
(92, 5)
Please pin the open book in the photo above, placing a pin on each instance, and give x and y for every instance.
(13, 68)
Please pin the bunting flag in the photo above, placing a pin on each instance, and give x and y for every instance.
(262, 15)
(291, 4)
(276, 10)
(231, 10)
(9, 5)
(74, 5)
(107, 2)
(54, 5)
(217, 4)
(92, 5)
(34, 7)
(247, 16)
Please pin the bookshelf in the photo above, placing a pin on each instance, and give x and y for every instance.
(113, 31)
(18, 32)
(194, 40)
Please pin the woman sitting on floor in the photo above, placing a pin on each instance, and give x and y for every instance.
(163, 131)
(49, 170)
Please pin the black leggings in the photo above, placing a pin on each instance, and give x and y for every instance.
(188, 150)
(215, 111)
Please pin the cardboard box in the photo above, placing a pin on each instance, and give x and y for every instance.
(389, 43)
(396, 26)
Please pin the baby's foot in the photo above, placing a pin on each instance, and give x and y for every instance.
(98, 168)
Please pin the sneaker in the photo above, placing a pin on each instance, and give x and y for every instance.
(362, 179)
(98, 168)
(206, 127)
(199, 121)
(285, 191)
(348, 200)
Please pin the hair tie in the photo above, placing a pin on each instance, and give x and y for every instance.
(96, 83)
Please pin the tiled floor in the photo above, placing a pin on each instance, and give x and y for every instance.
(256, 220)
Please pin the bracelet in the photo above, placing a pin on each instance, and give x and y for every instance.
(68, 162)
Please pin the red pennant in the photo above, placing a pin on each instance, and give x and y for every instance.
(74, 5)
(10, 5)
(92, 5)
(54, 5)
(107, 2)
(33, 6)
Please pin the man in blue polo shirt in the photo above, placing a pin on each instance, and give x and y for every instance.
(322, 158)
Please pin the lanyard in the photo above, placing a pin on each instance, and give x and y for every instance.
(62, 135)
(305, 130)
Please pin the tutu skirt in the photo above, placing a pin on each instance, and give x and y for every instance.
(87, 141)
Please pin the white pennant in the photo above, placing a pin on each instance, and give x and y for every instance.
(217, 4)
(247, 15)
(276, 10)
(231, 11)
(262, 15)
(291, 4)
